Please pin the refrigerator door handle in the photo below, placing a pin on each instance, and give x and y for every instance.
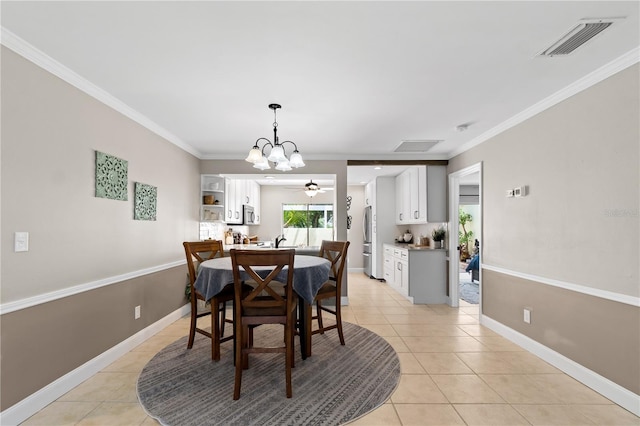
(364, 223)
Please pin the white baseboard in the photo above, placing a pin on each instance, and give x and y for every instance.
(616, 393)
(35, 402)
(353, 270)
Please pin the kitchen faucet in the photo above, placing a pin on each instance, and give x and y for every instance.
(279, 240)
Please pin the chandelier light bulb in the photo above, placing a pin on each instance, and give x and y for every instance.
(262, 164)
(255, 155)
(277, 154)
(283, 166)
(296, 160)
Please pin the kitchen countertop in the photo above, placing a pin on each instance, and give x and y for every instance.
(414, 247)
(310, 250)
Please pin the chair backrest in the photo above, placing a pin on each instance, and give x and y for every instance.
(199, 251)
(336, 253)
(253, 262)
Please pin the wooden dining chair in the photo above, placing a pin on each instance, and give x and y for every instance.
(263, 305)
(197, 252)
(336, 253)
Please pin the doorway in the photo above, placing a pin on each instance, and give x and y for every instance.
(462, 192)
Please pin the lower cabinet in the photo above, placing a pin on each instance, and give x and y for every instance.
(417, 274)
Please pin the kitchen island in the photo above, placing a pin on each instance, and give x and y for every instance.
(416, 272)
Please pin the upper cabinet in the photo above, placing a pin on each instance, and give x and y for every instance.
(240, 192)
(253, 199)
(234, 196)
(212, 198)
(369, 193)
(421, 195)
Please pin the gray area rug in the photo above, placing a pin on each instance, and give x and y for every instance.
(335, 385)
(469, 292)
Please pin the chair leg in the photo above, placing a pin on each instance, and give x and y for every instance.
(292, 341)
(223, 318)
(247, 342)
(319, 314)
(339, 322)
(215, 330)
(192, 328)
(238, 360)
(308, 327)
(288, 332)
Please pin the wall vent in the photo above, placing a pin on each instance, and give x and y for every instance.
(577, 36)
(416, 146)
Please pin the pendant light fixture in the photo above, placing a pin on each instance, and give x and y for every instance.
(311, 188)
(277, 154)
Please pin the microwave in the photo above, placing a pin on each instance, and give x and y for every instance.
(248, 215)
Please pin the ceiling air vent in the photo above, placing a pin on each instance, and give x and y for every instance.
(416, 146)
(579, 35)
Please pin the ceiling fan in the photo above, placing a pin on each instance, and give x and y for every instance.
(311, 188)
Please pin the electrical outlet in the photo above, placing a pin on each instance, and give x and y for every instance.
(136, 312)
(527, 315)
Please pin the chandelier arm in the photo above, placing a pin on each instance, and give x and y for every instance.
(268, 142)
(295, 147)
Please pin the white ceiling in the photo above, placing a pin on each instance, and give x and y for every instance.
(354, 78)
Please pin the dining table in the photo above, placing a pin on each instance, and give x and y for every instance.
(309, 274)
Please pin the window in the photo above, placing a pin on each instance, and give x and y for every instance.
(307, 224)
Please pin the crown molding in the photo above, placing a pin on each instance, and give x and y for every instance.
(44, 61)
(630, 58)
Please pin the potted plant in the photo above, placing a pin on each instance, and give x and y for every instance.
(465, 238)
(438, 235)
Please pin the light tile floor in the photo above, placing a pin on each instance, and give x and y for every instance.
(454, 372)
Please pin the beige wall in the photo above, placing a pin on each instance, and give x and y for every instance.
(580, 161)
(50, 131)
(578, 225)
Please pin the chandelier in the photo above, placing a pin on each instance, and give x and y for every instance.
(277, 154)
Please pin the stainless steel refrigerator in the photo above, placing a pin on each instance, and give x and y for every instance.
(367, 230)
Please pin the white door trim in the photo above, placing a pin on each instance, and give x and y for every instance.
(454, 225)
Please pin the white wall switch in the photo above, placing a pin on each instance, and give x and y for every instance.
(136, 312)
(21, 242)
(527, 315)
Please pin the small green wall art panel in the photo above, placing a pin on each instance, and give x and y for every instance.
(111, 177)
(146, 201)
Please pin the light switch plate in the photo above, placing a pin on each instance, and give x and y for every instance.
(21, 242)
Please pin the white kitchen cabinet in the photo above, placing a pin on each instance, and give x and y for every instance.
(212, 198)
(388, 266)
(369, 193)
(234, 193)
(402, 199)
(238, 193)
(421, 195)
(253, 198)
(417, 274)
(401, 271)
(411, 196)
